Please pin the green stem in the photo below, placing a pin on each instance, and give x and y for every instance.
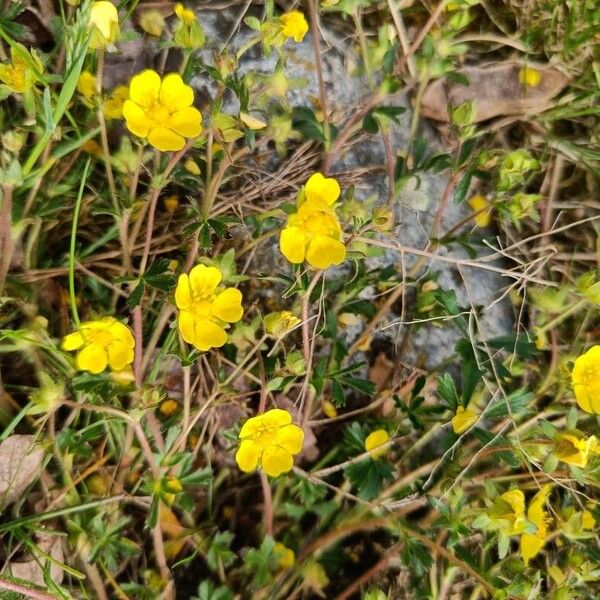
(560, 318)
(72, 245)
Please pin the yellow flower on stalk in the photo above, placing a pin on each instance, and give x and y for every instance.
(314, 233)
(185, 14)
(586, 380)
(532, 543)
(375, 441)
(86, 85)
(20, 75)
(480, 203)
(293, 25)
(161, 110)
(112, 107)
(574, 449)
(104, 24)
(100, 344)
(530, 76)
(269, 441)
(203, 310)
(463, 419)
(507, 514)
(279, 323)
(188, 34)
(285, 556)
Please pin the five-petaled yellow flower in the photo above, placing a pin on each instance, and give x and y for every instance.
(101, 343)
(19, 75)
(532, 543)
(508, 513)
(185, 14)
(293, 25)
(104, 24)
(464, 419)
(161, 110)
(314, 232)
(574, 449)
(269, 441)
(375, 443)
(203, 310)
(483, 210)
(586, 380)
(285, 556)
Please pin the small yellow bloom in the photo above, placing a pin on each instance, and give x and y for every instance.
(86, 85)
(293, 25)
(191, 167)
(329, 409)
(507, 514)
(532, 543)
(168, 407)
(161, 110)
(112, 108)
(104, 24)
(279, 323)
(171, 203)
(269, 441)
(204, 311)
(479, 203)
(530, 76)
(375, 440)
(102, 343)
(574, 449)
(586, 380)
(587, 520)
(18, 75)
(314, 232)
(464, 419)
(185, 14)
(285, 556)
(153, 22)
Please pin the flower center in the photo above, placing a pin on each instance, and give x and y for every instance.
(321, 223)
(591, 379)
(158, 113)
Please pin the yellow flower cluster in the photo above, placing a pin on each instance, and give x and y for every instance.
(269, 441)
(508, 516)
(203, 311)
(586, 380)
(101, 343)
(314, 233)
(161, 110)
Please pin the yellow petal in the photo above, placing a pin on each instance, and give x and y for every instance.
(186, 122)
(479, 203)
(531, 544)
(122, 333)
(251, 426)
(324, 251)
(144, 88)
(463, 419)
(204, 280)
(375, 440)
(276, 461)
(183, 298)
(291, 438)
(186, 325)
(321, 188)
(136, 119)
(92, 358)
(247, 456)
(292, 243)
(165, 140)
(208, 335)
(119, 356)
(72, 341)
(174, 93)
(227, 306)
(276, 417)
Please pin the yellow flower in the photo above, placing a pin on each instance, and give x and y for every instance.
(314, 232)
(479, 203)
(152, 22)
(162, 111)
(168, 407)
(532, 543)
(113, 105)
(507, 514)
(279, 323)
(586, 380)
(104, 24)
(185, 14)
(530, 76)
(18, 75)
(285, 556)
(293, 25)
(101, 343)
(464, 419)
(204, 312)
(329, 409)
(191, 167)
(374, 441)
(171, 203)
(86, 85)
(574, 449)
(269, 441)
(587, 520)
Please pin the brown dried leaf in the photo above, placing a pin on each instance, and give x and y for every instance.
(20, 464)
(33, 570)
(495, 90)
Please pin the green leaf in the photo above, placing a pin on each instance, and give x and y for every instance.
(368, 477)
(462, 188)
(219, 552)
(135, 297)
(305, 121)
